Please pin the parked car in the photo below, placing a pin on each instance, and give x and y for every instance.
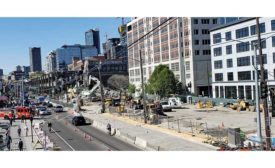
(166, 106)
(58, 108)
(78, 120)
(5, 126)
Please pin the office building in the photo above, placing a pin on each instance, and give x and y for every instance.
(1, 73)
(232, 47)
(18, 68)
(113, 49)
(92, 38)
(35, 59)
(51, 65)
(183, 44)
(26, 70)
(65, 54)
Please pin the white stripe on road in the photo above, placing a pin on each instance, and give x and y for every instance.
(63, 140)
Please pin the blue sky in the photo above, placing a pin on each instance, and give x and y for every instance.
(18, 34)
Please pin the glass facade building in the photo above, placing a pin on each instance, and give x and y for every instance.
(35, 59)
(65, 54)
(92, 38)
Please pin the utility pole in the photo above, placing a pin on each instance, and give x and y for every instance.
(259, 127)
(101, 89)
(143, 90)
(263, 89)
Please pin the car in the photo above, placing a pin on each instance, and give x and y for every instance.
(5, 126)
(50, 105)
(38, 108)
(78, 120)
(166, 106)
(58, 108)
(44, 112)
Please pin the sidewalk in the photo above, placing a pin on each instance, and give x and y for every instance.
(148, 137)
(27, 140)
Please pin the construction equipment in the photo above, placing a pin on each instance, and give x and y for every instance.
(240, 105)
(207, 104)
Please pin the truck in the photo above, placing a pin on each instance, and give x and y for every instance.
(19, 112)
(175, 102)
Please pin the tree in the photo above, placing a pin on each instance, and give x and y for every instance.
(132, 88)
(179, 88)
(162, 81)
(118, 82)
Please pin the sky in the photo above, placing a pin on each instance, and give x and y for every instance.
(18, 34)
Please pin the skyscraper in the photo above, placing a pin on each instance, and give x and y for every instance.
(1, 73)
(35, 59)
(92, 38)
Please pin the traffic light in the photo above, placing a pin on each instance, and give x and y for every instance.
(264, 90)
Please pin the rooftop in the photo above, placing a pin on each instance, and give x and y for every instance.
(232, 23)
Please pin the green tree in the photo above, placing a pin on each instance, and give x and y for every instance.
(162, 81)
(132, 88)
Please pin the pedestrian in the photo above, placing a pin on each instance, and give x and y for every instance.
(9, 141)
(109, 128)
(11, 121)
(20, 145)
(19, 131)
(13, 117)
(27, 131)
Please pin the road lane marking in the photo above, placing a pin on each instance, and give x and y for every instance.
(63, 140)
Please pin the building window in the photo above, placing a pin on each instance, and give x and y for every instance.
(221, 92)
(175, 66)
(218, 64)
(215, 21)
(272, 24)
(197, 52)
(188, 76)
(218, 51)
(205, 42)
(253, 29)
(217, 38)
(205, 21)
(228, 36)
(248, 92)
(196, 31)
(229, 63)
(217, 91)
(243, 61)
(187, 65)
(196, 42)
(196, 21)
(273, 57)
(244, 75)
(205, 31)
(242, 47)
(259, 74)
(273, 41)
(258, 61)
(229, 49)
(255, 42)
(230, 76)
(244, 32)
(206, 52)
(219, 77)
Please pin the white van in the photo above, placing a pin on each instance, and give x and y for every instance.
(175, 102)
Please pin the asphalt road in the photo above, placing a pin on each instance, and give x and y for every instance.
(65, 136)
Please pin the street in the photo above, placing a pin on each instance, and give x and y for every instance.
(68, 139)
